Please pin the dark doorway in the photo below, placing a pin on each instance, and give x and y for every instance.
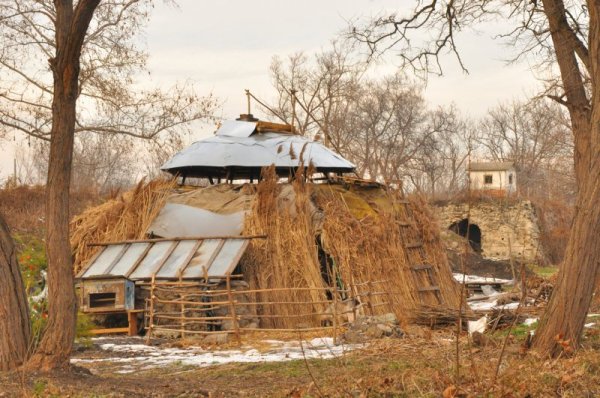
(466, 229)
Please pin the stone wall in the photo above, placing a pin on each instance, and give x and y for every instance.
(506, 226)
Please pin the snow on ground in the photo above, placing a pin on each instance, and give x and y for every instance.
(138, 356)
(479, 279)
(491, 304)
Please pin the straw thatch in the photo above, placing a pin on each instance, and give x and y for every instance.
(123, 218)
(288, 257)
(362, 231)
(373, 247)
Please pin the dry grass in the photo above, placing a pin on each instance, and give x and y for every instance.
(372, 248)
(361, 230)
(24, 207)
(126, 217)
(288, 258)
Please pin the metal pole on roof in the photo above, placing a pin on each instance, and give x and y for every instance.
(293, 93)
(248, 96)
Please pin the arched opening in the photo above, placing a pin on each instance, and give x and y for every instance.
(466, 229)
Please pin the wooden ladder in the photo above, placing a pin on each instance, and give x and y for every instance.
(412, 241)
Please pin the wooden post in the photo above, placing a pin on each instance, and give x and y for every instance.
(132, 322)
(151, 315)
(335, 320)
(236, 326)
(182, 310)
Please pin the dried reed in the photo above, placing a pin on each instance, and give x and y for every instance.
(126, 217)
(288, 258)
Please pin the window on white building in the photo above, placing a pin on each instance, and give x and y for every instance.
(488, 179)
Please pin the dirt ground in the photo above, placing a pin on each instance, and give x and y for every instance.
(423, 364)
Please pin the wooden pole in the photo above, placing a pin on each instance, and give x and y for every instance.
(182, 308)
(151, 316)
(335, 320)
(235, 324)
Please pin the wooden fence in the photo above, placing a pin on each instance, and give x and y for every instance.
(182, 309)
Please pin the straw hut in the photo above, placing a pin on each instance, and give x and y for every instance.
(278, 218)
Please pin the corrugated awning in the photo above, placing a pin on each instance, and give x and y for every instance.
(167, 258)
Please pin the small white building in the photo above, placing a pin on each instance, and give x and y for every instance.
(496, 177)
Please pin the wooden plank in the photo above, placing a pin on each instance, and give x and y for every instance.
(176, 239)
(133, 323)
(110, 331)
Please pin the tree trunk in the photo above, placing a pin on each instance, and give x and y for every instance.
(562, 324)
(568, 307)
(14, 310)
(56, 344)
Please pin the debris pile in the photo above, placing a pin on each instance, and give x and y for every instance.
(366, 328)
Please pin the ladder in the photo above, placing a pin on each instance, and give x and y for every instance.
(424, 274)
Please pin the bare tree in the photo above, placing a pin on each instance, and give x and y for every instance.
(14, 310)
(535, 136)
(377, 124)
(566, 36)
(111, 101)
(320, 87)
(439, 165)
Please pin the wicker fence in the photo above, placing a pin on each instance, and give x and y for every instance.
(182, 309)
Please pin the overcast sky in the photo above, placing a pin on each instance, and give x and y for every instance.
(226, 46)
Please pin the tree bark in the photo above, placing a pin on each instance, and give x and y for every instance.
(564, 319)
(14, 310)
(562, 325)
(56, 344)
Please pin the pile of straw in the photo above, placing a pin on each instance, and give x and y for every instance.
(360, 229)
(123, 218)
(288, 257)
(373, 248)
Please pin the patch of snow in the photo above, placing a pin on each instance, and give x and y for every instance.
(479, 279)
(589, 325)
(491, 305)
(149, 357)
(478, 325)
(530, 321)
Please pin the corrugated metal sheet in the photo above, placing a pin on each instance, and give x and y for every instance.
(167, 259)
(258, 150)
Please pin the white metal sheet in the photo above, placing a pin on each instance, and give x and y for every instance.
(259, 150)
(152, 260)
(104, 260)
(201, 259)
(129, 258)
(236, 128)
(228, 257)
(177, 260)
(177, 220)
(170, 258)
